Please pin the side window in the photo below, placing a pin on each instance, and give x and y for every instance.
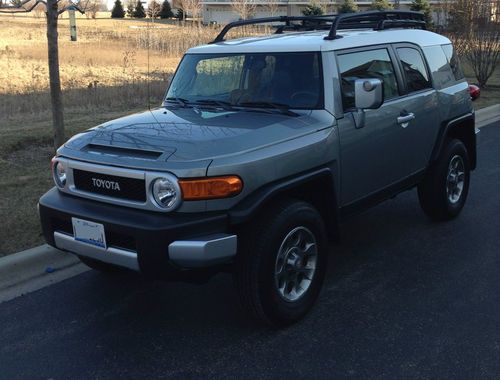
(451, 54)
(366, 64)
(414, 69)
(439, 66)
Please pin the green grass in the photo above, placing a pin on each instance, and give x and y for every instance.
(491, 93)
(25, 153)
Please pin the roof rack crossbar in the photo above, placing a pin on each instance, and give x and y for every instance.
(383, 19)
(376, 20)
(266, 20)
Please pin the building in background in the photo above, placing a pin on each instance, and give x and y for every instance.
(223, 11)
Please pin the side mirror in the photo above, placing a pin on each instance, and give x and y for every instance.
(368, 93)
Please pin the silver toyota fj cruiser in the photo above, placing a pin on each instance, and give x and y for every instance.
(261, 147)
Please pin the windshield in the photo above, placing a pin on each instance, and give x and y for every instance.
(263, 80)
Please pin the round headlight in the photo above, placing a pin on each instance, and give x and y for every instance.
(166, 193)
(59, 173)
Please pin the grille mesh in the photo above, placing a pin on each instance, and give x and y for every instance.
(129, 188)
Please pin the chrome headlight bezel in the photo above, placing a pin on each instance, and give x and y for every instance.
(59, 174)
(164, 187)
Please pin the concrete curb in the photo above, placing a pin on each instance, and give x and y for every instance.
(488, 115)
(35, 268)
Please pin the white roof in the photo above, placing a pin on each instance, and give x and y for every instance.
(314, 41)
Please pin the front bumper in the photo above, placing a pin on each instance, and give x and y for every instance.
(152, 243)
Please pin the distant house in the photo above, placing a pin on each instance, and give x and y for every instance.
(221, 11)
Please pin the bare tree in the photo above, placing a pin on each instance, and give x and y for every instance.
(154, 9)
(483, 52)
(54, 8)
(194, 8)
(39, 11)
(184, 6)
(273, 7)
(244, 8)
(93, 7)
(475, 34)
(327, 6)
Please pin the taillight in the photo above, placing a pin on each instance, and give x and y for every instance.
(474, 91)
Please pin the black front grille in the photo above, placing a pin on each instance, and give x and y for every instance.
(62, 225)
(112, 186)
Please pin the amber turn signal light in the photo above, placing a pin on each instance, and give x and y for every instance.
(210, 188)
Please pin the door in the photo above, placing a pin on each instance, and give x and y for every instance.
(420, 102)
(382, 153)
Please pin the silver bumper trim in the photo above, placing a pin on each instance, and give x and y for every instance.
(204, 251)
(123, 258)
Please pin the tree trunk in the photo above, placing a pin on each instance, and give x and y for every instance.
(54, 78)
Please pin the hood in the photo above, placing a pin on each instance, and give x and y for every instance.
(186, 135)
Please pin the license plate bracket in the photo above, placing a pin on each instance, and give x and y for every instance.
(89, 232)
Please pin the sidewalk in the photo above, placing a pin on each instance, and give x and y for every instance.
(33, 269)
(488, 115)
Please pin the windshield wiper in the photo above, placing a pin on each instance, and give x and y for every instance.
(182, 102)
(283, 108)
(221, 103)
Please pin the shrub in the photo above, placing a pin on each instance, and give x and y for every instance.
(139, 10)
(130, 8)
(424, 7)
(349, 6)
(166, 10)
(380, 5)
(312, 10)
(118, 11)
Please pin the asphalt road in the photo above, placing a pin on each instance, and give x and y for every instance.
(404, 298)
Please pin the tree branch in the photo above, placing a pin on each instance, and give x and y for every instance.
(20, 8)
(28, 5)
(75, 6)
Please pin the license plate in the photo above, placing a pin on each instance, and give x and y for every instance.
(89, 232)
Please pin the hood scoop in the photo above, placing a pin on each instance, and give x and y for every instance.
(117, 151)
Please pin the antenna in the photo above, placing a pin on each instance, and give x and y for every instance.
(147, 76)
(148, 81)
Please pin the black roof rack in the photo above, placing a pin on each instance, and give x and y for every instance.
(376, 20)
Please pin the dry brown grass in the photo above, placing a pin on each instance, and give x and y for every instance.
(106, 65)
(104, 75)
(106, 68)
(25, 152)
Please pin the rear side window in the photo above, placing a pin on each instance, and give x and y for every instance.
(439, 66)
(451, 54)
(366, 64)
(416, 75)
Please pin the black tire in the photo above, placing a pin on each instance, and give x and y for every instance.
(257, 260)
(101, 266)
(432, 191)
